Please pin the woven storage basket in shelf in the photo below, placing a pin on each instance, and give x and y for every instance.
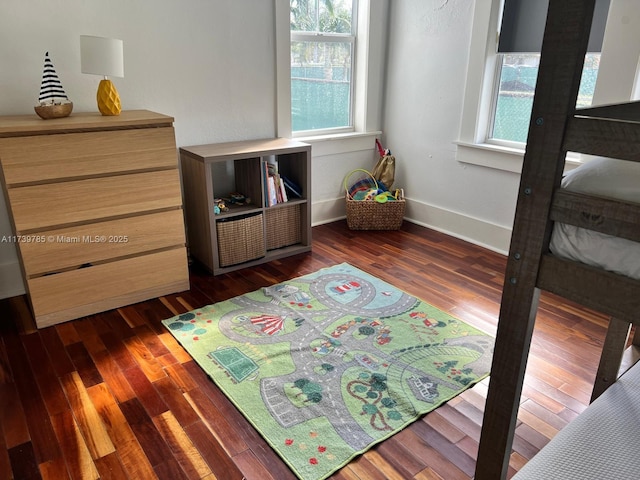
(240, 240)
(370, 214)
(283, 226)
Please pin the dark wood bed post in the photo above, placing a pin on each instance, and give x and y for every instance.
(563, 51)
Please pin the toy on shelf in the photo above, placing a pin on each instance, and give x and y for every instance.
(219, 206)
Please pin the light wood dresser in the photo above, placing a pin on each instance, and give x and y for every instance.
(96, 208)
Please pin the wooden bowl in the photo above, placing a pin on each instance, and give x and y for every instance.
(54, 111)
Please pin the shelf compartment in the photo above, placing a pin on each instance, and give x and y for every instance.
(240, 239)
(283, 226)
(242, 176)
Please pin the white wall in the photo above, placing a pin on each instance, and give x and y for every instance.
(428, 56)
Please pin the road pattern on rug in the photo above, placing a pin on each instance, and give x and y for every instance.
(326, 365)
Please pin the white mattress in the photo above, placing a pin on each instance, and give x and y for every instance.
(606, 177)
(602, 443)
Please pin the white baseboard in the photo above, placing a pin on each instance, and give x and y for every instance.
(11, 283)
(479, 232)
(327, 211)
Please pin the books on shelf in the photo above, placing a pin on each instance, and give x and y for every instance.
(277, 188)
(292, 187)
(273, 196)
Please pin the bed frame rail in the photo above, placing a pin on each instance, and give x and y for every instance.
(604, 215)
(606, 292)
(609, 137)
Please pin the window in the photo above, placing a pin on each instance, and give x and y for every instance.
(502, 70)
(322, 65)
(515, 86)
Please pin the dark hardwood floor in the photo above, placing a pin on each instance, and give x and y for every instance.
(114, 396)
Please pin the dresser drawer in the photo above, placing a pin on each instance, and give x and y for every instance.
(94, 243)
(41, 207)
(60, 297)
(46, 158)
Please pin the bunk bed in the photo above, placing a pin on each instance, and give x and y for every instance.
(556, 127)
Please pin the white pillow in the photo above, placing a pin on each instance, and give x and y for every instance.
(606, 177)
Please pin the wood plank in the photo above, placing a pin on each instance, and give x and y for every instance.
(113, 376)
(43, 439)
(382, 465)
(54, 470)
(85, 367)
(607, 292)
(5, 462)
(180, 377)
(131, 455)
(170, 468)
(215, 422)
(13, 422)
(198, 210)
(181, 445)
(243, 149)
(110, 468)
(178, 404)
(145, 392)
(93, 429)
(47, 382)
(155, 449)
(23, 462)
(612, 217)
(220, 464)
(74, 448)
(603, 136)
(444, 448)
(612, 352)
(145, 360)
(363, 468)
(60, 361)
(628, 111)
(414, 444)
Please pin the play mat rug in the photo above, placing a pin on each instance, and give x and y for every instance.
(326, 365)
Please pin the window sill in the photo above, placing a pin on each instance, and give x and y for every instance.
(490, 156)
(499, 157)
(336, 143)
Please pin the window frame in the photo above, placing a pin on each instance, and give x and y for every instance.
(618, 81)
(367, 75)
(474, 145)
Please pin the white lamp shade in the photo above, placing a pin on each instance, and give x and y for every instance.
(101, 56)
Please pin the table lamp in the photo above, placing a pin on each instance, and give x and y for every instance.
(103, 56)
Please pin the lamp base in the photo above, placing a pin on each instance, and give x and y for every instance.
(108, 98)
